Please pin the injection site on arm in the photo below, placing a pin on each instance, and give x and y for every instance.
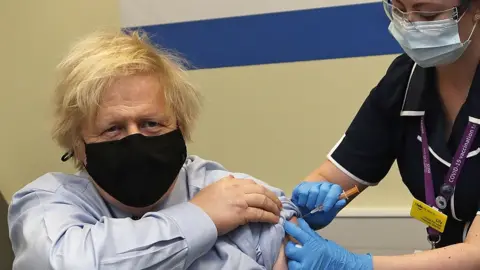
(271, 237)
(268, 238)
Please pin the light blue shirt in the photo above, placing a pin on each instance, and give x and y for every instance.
(59, 221)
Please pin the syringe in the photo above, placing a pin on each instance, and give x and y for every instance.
(344, 195)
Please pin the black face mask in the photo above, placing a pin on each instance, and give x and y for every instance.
(137, 170)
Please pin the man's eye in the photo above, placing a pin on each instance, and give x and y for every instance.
(111, 129)
(150, 124)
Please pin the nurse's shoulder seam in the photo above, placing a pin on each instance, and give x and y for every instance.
(389, 93)
(395, 79)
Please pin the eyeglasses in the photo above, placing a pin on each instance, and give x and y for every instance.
(409, 17)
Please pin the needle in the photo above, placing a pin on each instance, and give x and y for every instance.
(344, 195)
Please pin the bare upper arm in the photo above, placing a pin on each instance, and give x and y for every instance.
(331, 173)
(281, 262)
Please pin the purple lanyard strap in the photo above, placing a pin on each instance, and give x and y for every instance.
(448, 188)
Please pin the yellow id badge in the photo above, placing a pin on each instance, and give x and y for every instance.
(428, 215)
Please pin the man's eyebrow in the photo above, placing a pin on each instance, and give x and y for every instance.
(106, 119)
(156, 115)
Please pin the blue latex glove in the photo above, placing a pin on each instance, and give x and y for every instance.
(308, 195)
(315, 252)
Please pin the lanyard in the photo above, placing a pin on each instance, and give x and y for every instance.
(448, 187)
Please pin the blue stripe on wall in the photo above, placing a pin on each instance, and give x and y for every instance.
(316, 34)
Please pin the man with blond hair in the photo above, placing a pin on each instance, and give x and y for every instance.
(124, 110)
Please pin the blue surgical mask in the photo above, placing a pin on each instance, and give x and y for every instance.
(430, 43)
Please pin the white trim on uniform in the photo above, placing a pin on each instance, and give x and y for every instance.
(336, 145)
(452, 207)
(473, 153)
(345, 171)
(474, 120)
(412, 113)
(446, 163)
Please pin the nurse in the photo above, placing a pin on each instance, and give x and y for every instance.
(424, 113)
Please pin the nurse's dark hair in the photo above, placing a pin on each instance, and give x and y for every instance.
(462, 8)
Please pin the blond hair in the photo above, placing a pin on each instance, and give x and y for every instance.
(99, 59)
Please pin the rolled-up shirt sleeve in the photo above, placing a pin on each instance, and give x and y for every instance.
(270, 237)
(263, 239)
(48, 232)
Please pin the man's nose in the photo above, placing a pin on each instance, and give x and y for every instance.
(132, 129)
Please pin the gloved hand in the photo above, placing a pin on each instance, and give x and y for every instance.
(315, 252)
(308, 195)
